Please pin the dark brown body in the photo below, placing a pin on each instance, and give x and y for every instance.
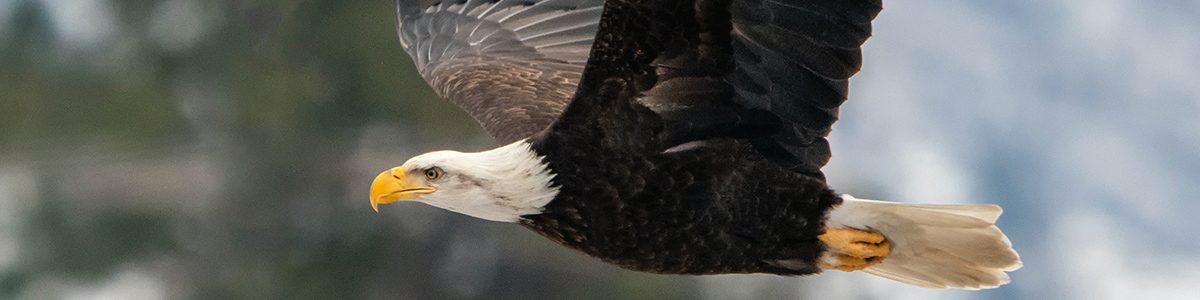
(698, 211)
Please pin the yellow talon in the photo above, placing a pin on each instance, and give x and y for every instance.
(851, 249)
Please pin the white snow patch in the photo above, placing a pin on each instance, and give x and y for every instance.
(82, 23)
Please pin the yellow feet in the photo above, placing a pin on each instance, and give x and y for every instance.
(852, 249)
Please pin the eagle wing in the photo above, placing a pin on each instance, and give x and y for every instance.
(772, 72)
(512, 65)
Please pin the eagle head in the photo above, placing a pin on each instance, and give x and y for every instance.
(501, 184)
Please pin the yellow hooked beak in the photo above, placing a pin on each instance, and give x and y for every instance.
(394, 185)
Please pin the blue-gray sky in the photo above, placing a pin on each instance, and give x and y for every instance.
(1080, 118)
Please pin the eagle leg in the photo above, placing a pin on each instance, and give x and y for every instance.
(851, 249)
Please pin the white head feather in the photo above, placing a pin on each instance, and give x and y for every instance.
(501, 184)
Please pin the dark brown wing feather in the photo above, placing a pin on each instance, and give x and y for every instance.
(794, 59)
(511, 64)
(772, 72)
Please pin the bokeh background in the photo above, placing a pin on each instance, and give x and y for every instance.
(189, 149)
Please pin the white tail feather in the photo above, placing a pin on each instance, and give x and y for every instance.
(934, 246)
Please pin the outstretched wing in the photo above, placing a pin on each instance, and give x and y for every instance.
(511, 64)
(772, 72)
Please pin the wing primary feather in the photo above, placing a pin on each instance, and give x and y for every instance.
(577, 19)
(518, 11)
(465, 5)
(513, 82)
(568, 43)
(569, 17)
(489, 9)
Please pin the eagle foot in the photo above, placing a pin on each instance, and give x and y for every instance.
(851, 249)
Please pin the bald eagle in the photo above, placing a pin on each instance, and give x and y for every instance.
(674, 136)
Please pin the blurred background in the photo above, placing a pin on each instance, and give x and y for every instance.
(187, 149)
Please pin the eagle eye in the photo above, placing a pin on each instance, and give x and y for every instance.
(433, 173)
